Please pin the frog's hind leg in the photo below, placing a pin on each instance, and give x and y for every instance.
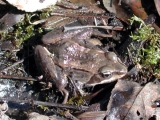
(61, 82)
(65, 94)
(61, 87)
(50, 71)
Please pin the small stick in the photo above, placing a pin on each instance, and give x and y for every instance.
(92, 26)
(9, 67)
(75, 87)
(17, 78)
(82, 16)
(94, 94)
(99, 91)
(49, 104)
(80, 108)
(14, 64)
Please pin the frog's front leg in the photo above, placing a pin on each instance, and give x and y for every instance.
(44, 61)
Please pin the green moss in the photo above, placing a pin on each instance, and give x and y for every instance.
(44, 108)
(24, 30)
(77, 100)
(150, 53)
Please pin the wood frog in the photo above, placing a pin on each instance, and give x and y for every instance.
(75, 54)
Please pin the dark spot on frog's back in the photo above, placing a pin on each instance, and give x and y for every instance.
(86, 58)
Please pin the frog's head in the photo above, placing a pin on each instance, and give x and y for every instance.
(113, 70)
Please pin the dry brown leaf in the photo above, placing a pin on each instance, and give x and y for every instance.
(121, 99)
(9, 20)
(127, 8)
(144, 101)
(95, 115)
(130, 101)
(120, 10)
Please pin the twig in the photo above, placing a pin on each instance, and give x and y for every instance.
(99, 91)
(9, 67)
(94, 94)
(92, 26)
(17, 78)
(80, 108)
(82, 16)
(14, 64)
(75, 87)
(32, 102)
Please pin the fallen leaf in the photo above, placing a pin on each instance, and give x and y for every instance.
(121, 99)
(142, 106)
(126, 8)
(10, 19)
(121, 11)
(131, 101)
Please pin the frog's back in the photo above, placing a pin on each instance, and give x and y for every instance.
(71, 54)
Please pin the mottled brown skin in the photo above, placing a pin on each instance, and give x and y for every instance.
(73, 55)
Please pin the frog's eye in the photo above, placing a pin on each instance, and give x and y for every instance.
(106, 71)
(106, 75)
